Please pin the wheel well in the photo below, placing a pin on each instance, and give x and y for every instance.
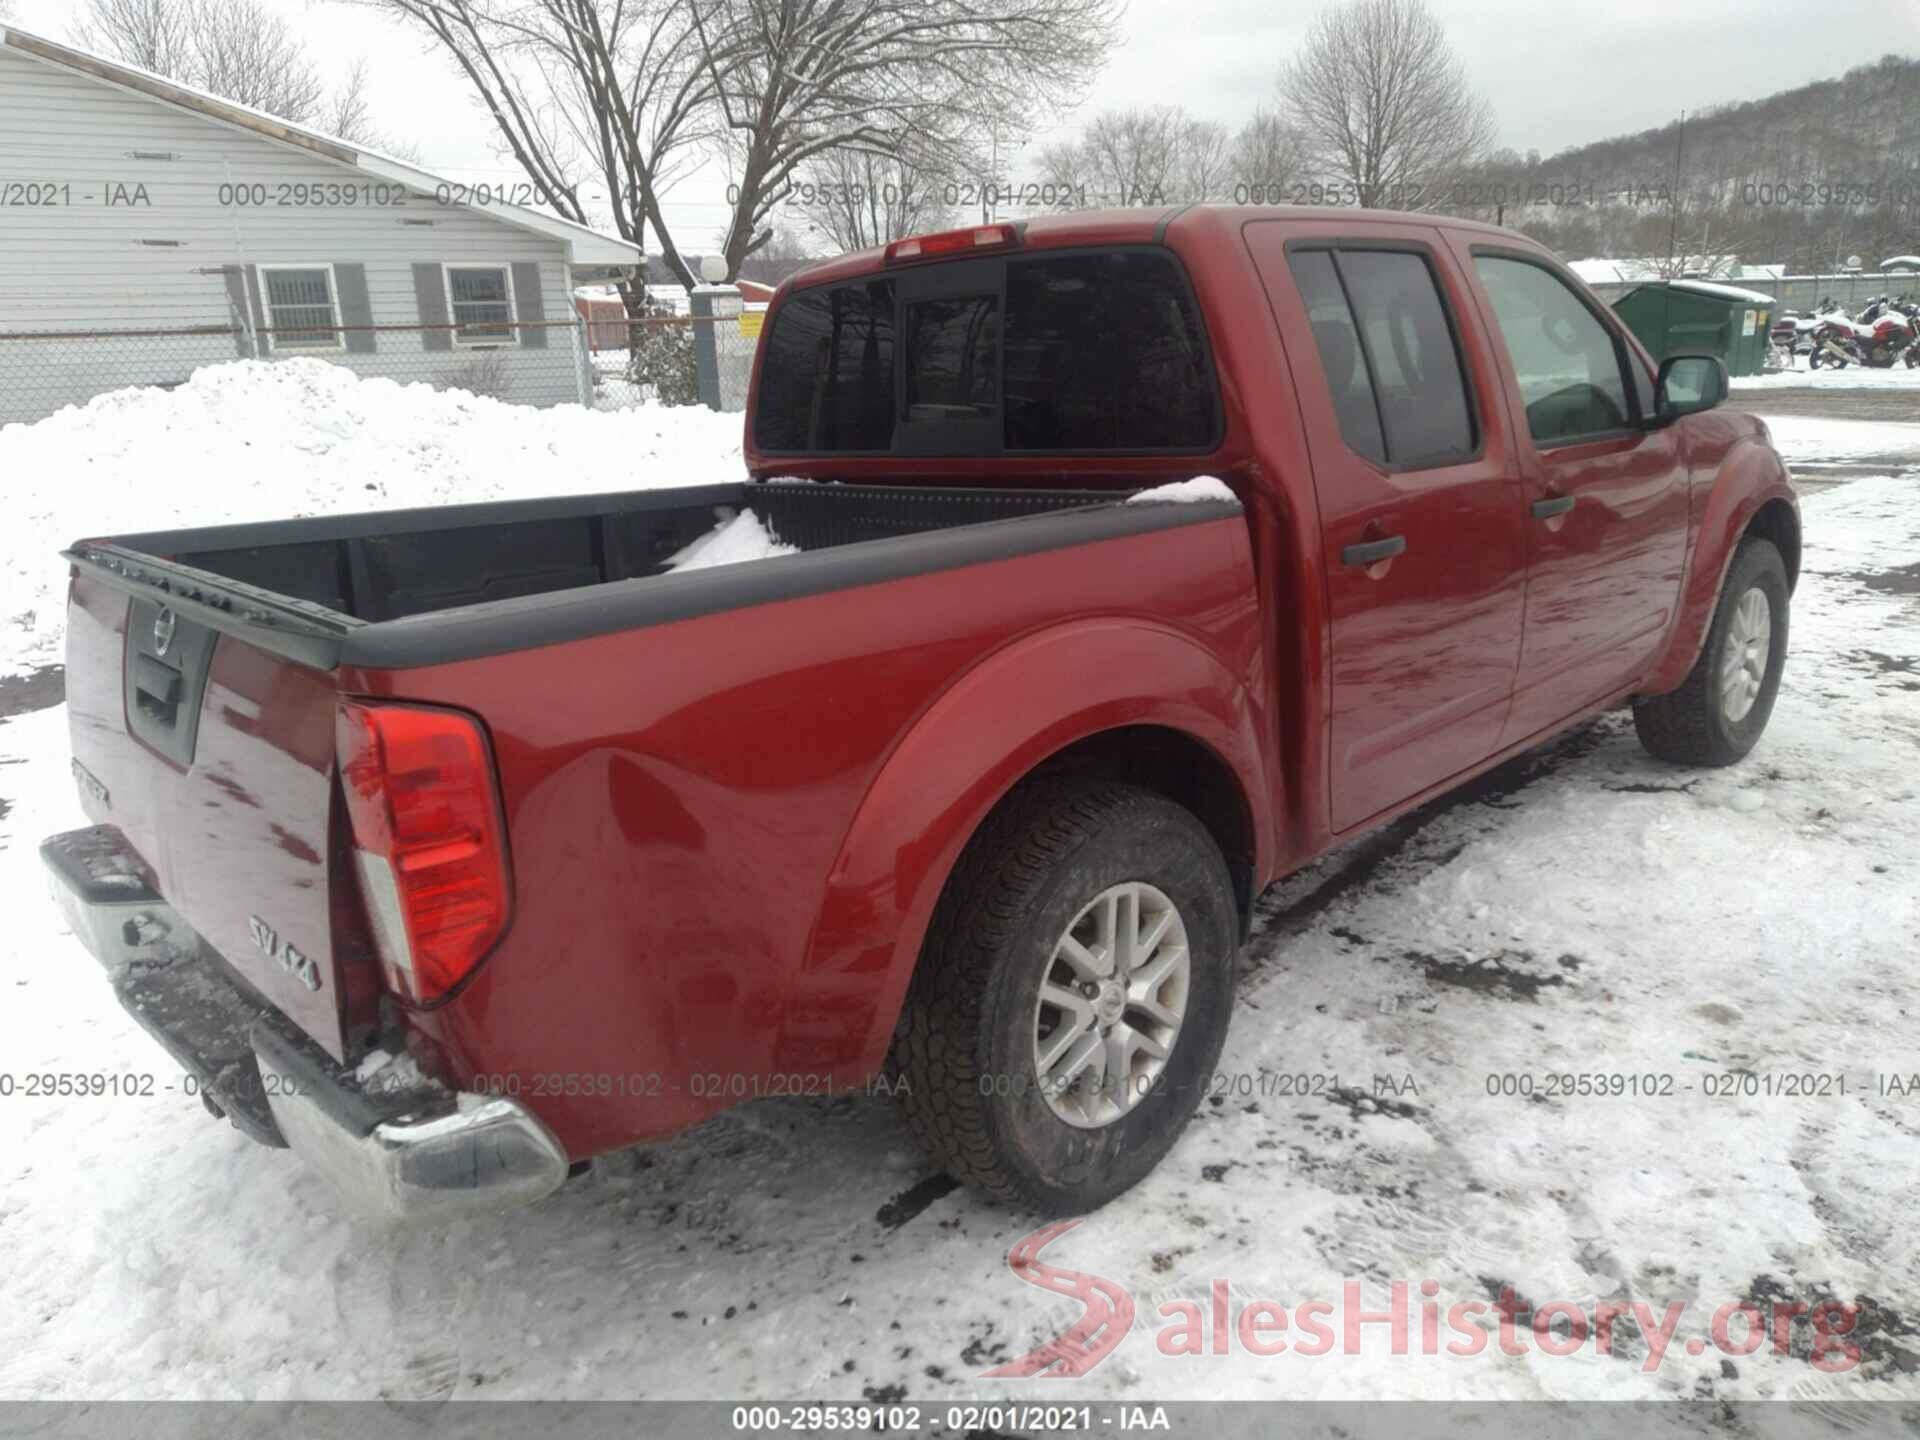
(1174, 764)
(1776, 521)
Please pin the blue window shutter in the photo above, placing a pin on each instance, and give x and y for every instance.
(356, 309)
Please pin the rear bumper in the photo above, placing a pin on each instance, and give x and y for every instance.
(433, 1155)
(415, 1152)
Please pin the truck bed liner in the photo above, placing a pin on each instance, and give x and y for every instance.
(395, 589)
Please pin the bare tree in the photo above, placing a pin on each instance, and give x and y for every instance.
(798, 79)
(1155, 156)
(346, 113)
(1267, 156)
(1133, 156)
(777, 259)
(626, 94)
(1383, 104)
(855, 198)
(599, 102)
(236, 49)
(1205, 166)
(156, 35)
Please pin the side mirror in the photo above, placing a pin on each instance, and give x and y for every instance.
(1687, 385)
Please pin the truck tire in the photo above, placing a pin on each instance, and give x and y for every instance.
(1017, 1001)
(1717, 714)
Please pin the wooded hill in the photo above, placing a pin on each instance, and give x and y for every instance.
(1805, 175)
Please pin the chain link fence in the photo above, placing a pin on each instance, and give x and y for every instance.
(608, 365)
(698, 359)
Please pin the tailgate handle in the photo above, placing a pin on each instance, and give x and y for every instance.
(157, 688)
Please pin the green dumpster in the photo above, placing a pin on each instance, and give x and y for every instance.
(1694, 317)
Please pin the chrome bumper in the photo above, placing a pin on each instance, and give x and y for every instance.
(485, 1154)
(426, 1153)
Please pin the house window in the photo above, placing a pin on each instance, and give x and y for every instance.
(301, 309)
(481, 299)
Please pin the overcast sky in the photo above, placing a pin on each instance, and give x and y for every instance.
(1557, 74)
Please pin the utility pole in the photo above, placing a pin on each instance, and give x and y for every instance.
(1673, 230)
(1673, 203)
(990, 192)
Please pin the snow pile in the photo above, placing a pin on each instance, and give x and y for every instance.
(253, 440)
(1196, 491)
(735, 539)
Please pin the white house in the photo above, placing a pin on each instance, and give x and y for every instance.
(147, 228)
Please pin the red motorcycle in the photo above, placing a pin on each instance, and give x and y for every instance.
(1883, 333)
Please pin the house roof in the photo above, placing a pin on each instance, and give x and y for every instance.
(584, 245)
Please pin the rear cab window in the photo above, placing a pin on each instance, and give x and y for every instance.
(1068, 351)
(826, 381)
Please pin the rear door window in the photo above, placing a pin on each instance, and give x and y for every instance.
(1077, 352)
(1337, 338)
(1416, 366)
(1389, 355)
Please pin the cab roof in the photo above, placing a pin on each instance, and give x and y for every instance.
(1148, 227)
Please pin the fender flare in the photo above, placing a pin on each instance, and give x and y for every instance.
(1751, 478)
(986, 732)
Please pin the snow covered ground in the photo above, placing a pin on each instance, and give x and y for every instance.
(252, 440)
(1852, 377)
(1585, 910)
(1810, 440)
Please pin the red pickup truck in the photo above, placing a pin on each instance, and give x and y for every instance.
(456, 847)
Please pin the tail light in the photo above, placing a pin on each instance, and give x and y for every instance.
(953, 242)
(428, 841)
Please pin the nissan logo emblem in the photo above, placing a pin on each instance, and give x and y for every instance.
(163, 624)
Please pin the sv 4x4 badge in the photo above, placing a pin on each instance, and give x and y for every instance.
(282, 954)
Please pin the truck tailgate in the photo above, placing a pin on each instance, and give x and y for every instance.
(215, 759)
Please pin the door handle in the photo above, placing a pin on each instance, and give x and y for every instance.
(1547, 509)
(1372, 552)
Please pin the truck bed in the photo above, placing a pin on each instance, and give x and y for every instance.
(306, 588)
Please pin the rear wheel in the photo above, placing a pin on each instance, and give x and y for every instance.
(1072, 996)
(1720, 710)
